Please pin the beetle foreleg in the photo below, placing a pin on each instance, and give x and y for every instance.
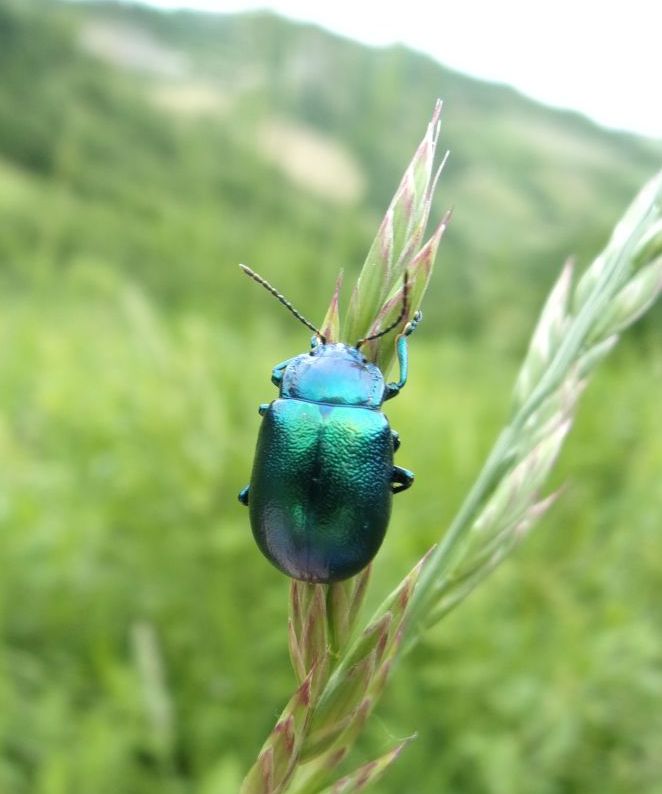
(403, 357)
(402, 479)
(243, 495)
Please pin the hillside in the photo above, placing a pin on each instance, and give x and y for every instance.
(143, 637)
(173, 145)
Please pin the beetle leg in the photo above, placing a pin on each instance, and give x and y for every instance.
(396, 440)
(243, 495)
(403, 358)
(263, 408)
(277, 372)
(412, 325)
(402, 479)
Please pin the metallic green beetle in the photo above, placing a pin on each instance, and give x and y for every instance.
(323, 475)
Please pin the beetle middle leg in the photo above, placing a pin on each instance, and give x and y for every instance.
(243, 495)
(396, 440)
(401, 479)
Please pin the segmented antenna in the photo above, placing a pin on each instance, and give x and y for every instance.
(282, 299)
(398, 320)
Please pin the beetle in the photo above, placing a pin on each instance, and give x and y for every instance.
(323, 475)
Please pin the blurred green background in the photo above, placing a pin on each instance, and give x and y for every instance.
(143, 644)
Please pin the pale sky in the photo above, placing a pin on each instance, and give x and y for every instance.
(601, 58)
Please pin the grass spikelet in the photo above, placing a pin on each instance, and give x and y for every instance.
(341, 668)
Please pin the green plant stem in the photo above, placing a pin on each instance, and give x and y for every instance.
(431, 578)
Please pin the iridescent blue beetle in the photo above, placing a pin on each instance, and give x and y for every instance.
(323, 475)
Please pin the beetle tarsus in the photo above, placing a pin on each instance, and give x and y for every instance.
(413, 323)
(243, 495)
(402, 479)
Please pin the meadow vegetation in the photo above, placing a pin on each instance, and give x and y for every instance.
(142, 636)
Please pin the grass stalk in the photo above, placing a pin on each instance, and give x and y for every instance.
(342, 669)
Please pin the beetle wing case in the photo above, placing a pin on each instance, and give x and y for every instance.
(320, 494)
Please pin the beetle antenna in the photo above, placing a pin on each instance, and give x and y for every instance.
(282, 299)
(398, 320)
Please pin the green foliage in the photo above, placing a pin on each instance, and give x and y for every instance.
(123, 444)
(141, 634)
